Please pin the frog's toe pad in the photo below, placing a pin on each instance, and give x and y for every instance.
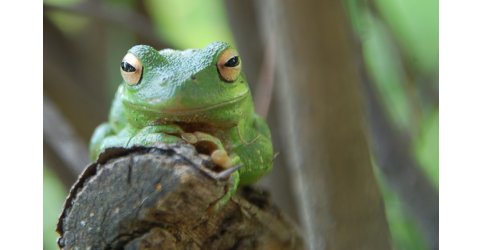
(221, 158)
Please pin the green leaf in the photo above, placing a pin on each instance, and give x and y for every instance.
(404, 231)
(415, 24)
(427, 150)
(384, 66)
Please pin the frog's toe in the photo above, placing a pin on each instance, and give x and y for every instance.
(189, 138)
(221, 158)
(234, 180)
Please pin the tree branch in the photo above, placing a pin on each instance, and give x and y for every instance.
(62, 139)
(128, 19)
(161, 198)
(339, 201)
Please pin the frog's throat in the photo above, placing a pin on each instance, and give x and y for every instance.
(184, 111)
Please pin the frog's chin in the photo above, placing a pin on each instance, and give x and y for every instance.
(183, 111)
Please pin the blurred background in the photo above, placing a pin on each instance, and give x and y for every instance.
(396, 51)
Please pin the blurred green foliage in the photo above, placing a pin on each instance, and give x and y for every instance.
(427, 150)
(54, 194)
(381, 57)
(190, 24)
(405, 234)
(398, 47)
(399, 42)
(414, 24)
(68, 23)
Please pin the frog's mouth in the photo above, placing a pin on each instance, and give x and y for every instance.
(181, 111)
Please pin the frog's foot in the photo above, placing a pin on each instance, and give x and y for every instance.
(230, 191)
(229, 164)
(210, 145)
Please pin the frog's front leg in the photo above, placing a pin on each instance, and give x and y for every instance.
(150, 136)
(102, 132)
(106, 137)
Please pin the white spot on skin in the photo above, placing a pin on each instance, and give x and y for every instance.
(116, 210)
(91, 214)
(83, 223)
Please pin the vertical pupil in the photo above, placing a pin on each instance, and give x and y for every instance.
(233, 62)
(125, 66)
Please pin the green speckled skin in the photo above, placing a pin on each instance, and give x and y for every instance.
(182, 91)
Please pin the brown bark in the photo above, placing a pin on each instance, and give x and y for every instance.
(340, 204)
(161, 198)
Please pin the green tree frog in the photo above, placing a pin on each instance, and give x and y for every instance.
(198, 96)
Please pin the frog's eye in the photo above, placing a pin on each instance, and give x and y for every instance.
(131, 69)
(229, 65)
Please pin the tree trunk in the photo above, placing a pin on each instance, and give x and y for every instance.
(259, 68)
(340, 204)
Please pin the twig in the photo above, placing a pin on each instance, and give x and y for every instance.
(264, 88)
(133, 21)
(62, 139)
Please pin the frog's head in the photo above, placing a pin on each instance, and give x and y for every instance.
(196, 85)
